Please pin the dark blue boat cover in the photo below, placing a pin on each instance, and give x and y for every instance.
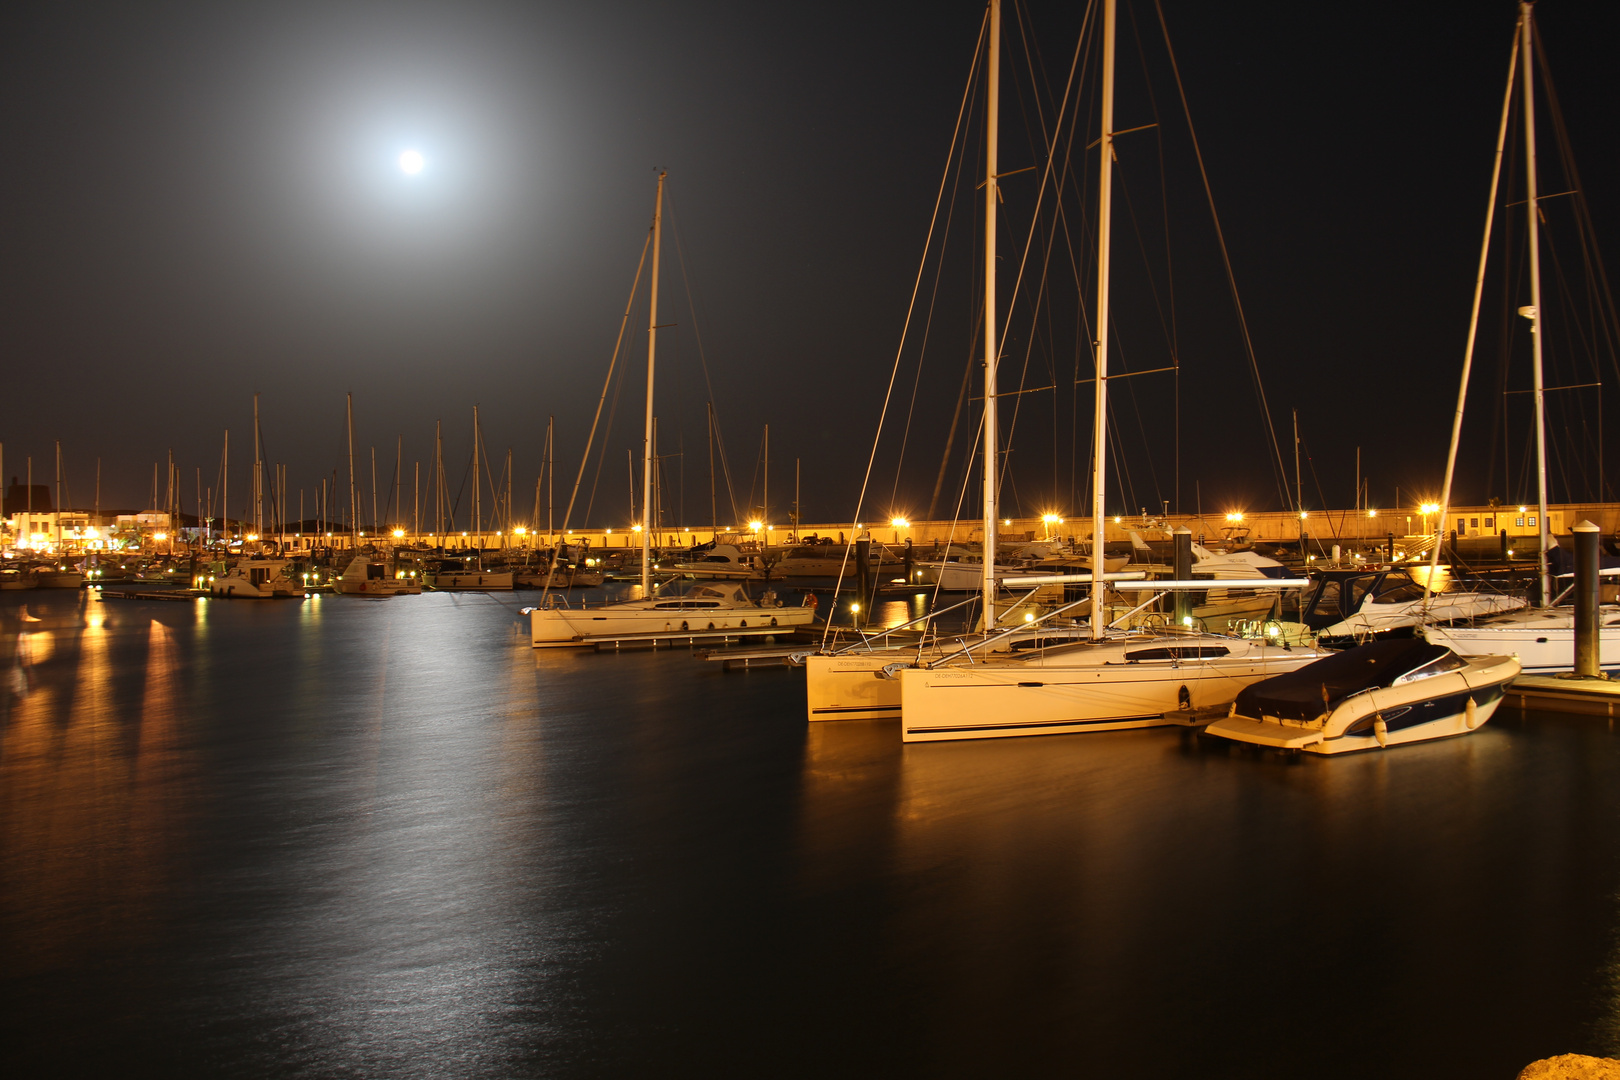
(1317, 687)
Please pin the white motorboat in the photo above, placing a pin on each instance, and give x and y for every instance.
(366, 576)
(674, 609)
(718, 562)
(12, 578)
(961, 573)
(1388, 693)
(830, 560)
(451, 574)
(1396, 603)
(257, 579)
(1092, 686)
(59, 577)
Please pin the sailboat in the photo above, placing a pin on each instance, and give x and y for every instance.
(1104, 683)
(1543, 638)
(703, 610)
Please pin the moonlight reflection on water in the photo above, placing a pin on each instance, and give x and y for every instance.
(335, 837)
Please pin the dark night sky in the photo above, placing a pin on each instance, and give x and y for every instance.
(201, 201)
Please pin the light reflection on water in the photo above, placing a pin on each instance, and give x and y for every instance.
(387, 838)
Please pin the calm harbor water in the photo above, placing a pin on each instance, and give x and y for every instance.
(349, 838)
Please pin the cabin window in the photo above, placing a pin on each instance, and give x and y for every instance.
(1179, 652)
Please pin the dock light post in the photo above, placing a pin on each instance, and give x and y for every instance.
(899, 523)
(1050, 520)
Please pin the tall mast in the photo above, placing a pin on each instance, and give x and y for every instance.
(1299, 487)
(225, 491)
(714, 505)
(647, 436)
(1533, 212)
(438, 481)
(1105, 194)
(373, 489)
(477, 506)
(258, 473)
(551, 469)
(1473, 323)
(397, 498)
(354, 494)
(992, 108)
(765, 495)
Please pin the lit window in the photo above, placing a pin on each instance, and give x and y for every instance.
(1518, 523)
(1532, 521)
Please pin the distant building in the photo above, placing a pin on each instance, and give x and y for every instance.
(18, 502)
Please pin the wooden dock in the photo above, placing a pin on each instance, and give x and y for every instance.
(1566, 692)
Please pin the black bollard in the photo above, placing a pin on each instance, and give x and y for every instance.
(1389, 550)
(1587, 643)
(1182, 548)
(1502, 539)
(907, 560)
(1452, 551)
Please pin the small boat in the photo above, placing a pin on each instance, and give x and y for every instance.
(366, 576)
(963, 571)
(257, 579)
(59, 577)
(717, 562)
(828, 560)
(1387, 693)
(12, 578)
(464, 574)
(701, 608)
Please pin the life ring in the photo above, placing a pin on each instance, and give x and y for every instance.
(810, 601)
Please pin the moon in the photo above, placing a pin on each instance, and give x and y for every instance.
(411, 162)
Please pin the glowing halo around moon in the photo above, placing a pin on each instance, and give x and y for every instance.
(411, 162)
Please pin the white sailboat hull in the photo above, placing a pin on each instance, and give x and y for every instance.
(1544, 642)
(998, 700)
(549, 627)
(471, 580)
